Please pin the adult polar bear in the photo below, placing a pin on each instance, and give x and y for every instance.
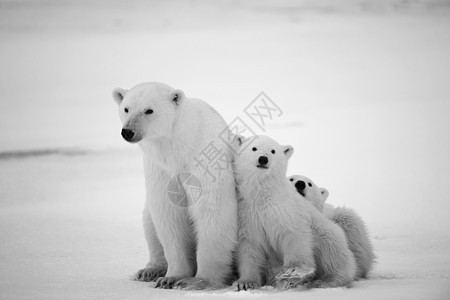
(197, 240)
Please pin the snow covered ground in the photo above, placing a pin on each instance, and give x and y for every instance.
(364, 87)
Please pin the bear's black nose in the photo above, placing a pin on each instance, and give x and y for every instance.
(263, 160)
(300, 186)
(127, 134)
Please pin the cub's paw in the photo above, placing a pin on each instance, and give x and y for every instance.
(192, 283)
(289, 283)
(242, 285)
(165, 282)
(150, 274)
(292, 277)
(295, 272)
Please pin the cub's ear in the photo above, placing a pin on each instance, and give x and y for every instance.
(118, 95)
(236, 141)
(324, 192)
(240, 139)
(288, 151)
(176, 96)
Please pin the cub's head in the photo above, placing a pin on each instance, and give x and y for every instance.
(147, 110)
(261, 157)
(308, 189)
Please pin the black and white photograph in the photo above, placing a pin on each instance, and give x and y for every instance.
(224, 149)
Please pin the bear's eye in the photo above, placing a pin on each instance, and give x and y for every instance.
(292, 179)
(149, 111)
(254, 149)
(126, 110)
(309, 183)
(273, 151)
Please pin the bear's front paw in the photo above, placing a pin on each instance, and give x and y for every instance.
(243, 285)
(192, 283)
(165, 282)
(150, 274)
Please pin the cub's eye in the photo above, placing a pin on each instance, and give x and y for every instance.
(309, 183)
(254, 149)
(126, 110)
(273, 151)
(149, 111)
(292, 179)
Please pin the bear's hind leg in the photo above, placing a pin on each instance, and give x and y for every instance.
(335, 262)
(358, 239)
(215, 220)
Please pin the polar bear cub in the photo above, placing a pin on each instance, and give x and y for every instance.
(352, 224)
(275, 227)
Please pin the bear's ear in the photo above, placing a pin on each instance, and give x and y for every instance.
(324, 192)
(118, 95)
(176, 96)
(288, 151)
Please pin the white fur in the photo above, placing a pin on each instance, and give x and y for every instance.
(195, 241)
(278, 230)
(352, 224)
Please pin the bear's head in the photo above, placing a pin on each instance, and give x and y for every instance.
(147, 110)
(261, 157)
(308, 189)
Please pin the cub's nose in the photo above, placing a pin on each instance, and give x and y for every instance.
(263, 160)
(300, 186)
(127, 134)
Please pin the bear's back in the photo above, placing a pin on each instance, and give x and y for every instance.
(198, 115)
